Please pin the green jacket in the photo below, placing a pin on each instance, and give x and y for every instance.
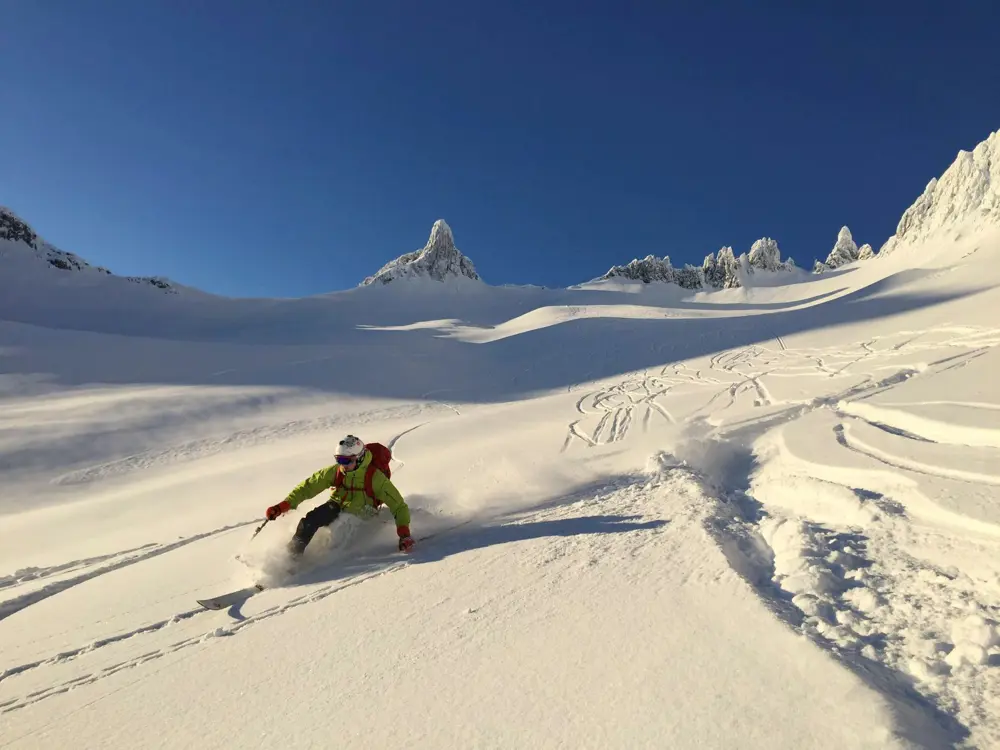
(351, 494)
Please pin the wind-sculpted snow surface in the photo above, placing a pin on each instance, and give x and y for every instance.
(862, 505)
(801, 482)
(763, 516)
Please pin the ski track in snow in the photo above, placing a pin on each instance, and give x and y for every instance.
(157, 653)
(616, 408)
(822, 456)
(93, 570)
(855, 590)
(33, 574)
(100, 565)
(864, 592)
(374, 568)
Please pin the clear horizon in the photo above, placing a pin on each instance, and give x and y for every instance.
(250, 153)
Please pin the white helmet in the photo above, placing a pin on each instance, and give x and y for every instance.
(350, 449)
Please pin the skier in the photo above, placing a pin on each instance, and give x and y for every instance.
(359, 485)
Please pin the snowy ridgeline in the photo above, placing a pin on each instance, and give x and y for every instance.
(726, 270)
(722, 271)
(966, 197)
(19, 240)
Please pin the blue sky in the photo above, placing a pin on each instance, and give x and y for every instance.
(256, 148)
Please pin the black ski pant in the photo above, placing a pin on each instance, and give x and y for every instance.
(321, 515)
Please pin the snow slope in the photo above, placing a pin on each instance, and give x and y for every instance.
(649, 517)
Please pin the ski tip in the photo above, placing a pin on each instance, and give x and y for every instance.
(209, 604)
(227, 600)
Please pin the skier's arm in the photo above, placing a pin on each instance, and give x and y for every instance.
(386, 492)
(309, 488)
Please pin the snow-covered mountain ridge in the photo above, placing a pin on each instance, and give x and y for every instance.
(965, 197)
(19, 241)
(722, 271)
(726, 270)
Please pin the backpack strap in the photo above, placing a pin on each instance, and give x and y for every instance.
(338, 482)
(369, 482)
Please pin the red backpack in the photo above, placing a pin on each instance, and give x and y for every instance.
(381, 456)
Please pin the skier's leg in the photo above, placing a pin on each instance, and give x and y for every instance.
(321, 515)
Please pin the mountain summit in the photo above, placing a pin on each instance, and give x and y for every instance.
(439, 260)
(967, 195)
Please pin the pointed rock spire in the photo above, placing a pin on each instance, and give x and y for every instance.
(438, 260)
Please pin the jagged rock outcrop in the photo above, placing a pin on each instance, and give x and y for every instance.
(966, 196)
(845, 250)
(728, 268)
(722, 270)
(15, 229)
(647, 270)
(17, 237)
(439, 260)
(764, 255)
(689, 277)
(710, 272)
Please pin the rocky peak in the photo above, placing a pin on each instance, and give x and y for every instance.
(646, 270)
(439, 260)
(19, 239)
(845, 250)
(722, 270)
(15, 229)
(764, 255)
(967, 195)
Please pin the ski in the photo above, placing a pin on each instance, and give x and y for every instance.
(225, 601)
(233, 597)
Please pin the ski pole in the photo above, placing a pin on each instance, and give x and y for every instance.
(259, 528)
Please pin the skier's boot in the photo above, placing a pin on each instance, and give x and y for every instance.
(296, 546)
(321, 515)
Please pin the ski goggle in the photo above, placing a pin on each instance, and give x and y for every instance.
(345, 460)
